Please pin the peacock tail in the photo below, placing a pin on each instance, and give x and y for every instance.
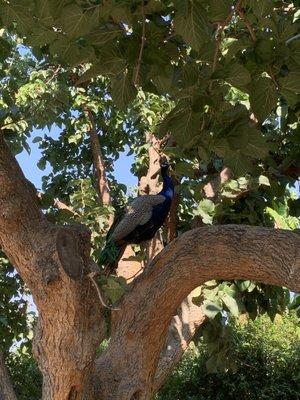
(110, 256)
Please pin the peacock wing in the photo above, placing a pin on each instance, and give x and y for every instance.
(138, 213)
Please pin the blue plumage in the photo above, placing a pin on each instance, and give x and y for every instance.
(160, 212)
(146, 215)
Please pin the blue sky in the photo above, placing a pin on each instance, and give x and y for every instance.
(28, 163)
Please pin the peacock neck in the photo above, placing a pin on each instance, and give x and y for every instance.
(168, 186)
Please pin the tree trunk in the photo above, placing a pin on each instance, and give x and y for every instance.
(54, 263)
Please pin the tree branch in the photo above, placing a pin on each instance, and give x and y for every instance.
(6, 388)
(102, 183)
(22, 224)
(143, 40)
(180, 333)
(71, 324)
(247, 23)
(217, 252)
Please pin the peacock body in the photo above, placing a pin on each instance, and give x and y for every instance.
(143, 217)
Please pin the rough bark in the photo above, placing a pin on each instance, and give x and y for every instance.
(180, 333)
(70, 325)
(127, 370)
(6, 389)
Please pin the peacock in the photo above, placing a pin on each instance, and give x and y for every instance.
(142, 219)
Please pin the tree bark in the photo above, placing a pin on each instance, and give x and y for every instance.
(6, 389)
(180, 333)
(127, 370)
(70, 325)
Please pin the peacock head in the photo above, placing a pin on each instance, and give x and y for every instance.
(164, 163)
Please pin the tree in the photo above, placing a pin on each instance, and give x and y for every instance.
(216, 87)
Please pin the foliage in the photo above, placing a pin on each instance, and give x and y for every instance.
(26, 377)
(218, 81)
(266, 364)
(13, 307)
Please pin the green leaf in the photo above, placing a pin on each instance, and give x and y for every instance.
(37, 139)
(211, 309)
(212, 364)
(123, 90)
(231, 304)
(70, 53)
(77, 23)
(263, 97)
(111, 66)
(5, 49)
(44, 12)
(237, 75)
(183, 123)
(219, 10)
(295, 51)
(238, 162)
(104, 35)
(263, 180)
(114, 288)
(16, 11)
(261, 7)
(291, 82)
(279, 220)
(192, 25)
(3, 320)
(41, 36)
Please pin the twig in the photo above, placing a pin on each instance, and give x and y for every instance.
(92, 278)
(54, 75)
(247, 23)
(220, 28)
(135, 274)
(143, 40)
(62, 206)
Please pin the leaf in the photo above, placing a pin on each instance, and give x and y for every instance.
(41, 36)
(263, 180)
(3, 320)
(37, 139)
(183, 123)
(261, 7)
(69, 52)
(238, 162)
(212, 364)
(219, 10)
(264, 48)
(16, 12)
(112, 66)
(206, 210)
(192, 25)
(295, 51)
(291, 82)
(263, 97)
(231, 304)
(44, 12)
(5, 48)
(238, 75)
(77, 23)
(103, 36)
(211, 309)
(114, 288)
(123, 90)
(279, 220)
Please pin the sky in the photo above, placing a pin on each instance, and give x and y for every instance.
(28, 162)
